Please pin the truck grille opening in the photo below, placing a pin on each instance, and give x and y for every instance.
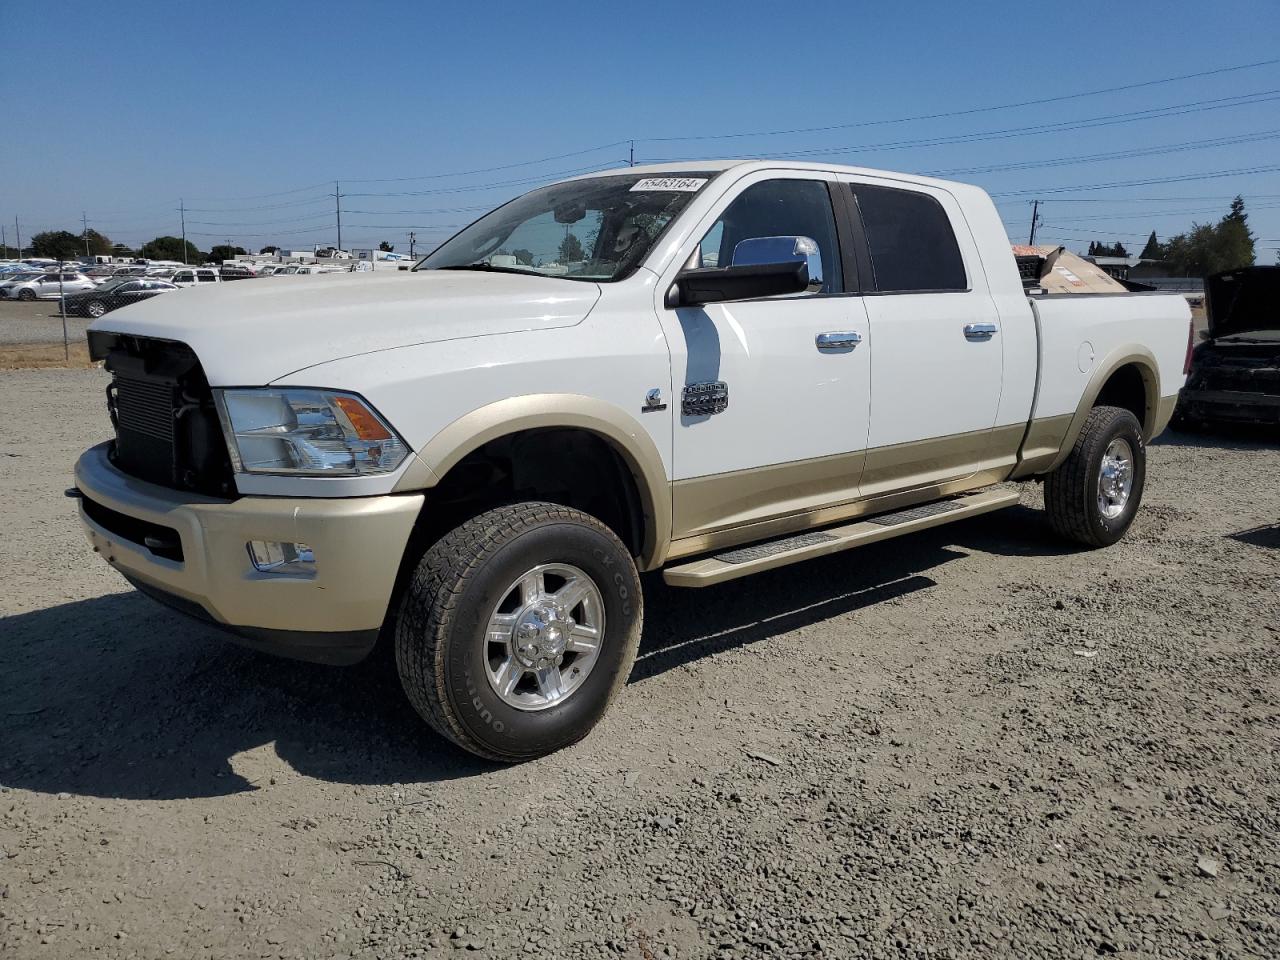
(167, 429)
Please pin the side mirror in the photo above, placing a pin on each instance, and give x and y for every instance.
(717, 284)
(758, 250)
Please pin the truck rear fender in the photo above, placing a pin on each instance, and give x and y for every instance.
(1128, 379)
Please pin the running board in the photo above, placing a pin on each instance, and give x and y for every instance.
(743, 561)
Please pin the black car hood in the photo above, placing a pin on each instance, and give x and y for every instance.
(1243, 301)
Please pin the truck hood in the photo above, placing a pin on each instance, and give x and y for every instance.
(251, 332)
(1243, 301)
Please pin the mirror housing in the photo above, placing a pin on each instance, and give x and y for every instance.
(781, 249)
(718, 284)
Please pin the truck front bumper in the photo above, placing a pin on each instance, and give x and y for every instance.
(193, 553)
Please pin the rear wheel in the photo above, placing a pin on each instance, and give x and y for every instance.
(518, 629)
(1094, 494)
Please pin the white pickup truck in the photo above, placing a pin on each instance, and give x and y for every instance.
(707, 370)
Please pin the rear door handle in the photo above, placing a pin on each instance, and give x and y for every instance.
(838, 340)
(980, 331)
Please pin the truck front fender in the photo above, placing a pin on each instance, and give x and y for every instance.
(564, 410)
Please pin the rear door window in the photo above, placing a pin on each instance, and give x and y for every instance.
(913, 247)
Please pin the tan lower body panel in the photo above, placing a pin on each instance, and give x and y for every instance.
(732, 508)
(1044, 440)
(357, 542)
(1164, 413)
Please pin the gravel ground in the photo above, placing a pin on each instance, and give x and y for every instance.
(967, 743)
(37, 322)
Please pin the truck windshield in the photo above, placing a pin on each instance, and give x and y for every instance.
(598, 229)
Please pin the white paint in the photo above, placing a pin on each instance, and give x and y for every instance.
(427, 348)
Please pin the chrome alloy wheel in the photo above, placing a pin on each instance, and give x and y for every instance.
(1115, 478)
(543, 637)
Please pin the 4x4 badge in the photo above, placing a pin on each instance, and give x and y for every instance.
(653, 401)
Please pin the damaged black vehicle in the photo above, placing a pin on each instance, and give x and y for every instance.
(1235, 371)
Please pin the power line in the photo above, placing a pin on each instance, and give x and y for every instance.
(1187, 178)
(967, 112)
(543, 178)
(505, 166)
(1115, 155)
(1062, 126)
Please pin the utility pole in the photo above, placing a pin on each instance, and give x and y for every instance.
(337, 199)
(4, 241)
(1035, 221)
(633, 154)
(84, 219)
(182, 212)
(412, 239)
(17, 236)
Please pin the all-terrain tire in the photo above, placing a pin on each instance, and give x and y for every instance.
(1071, 492)
(442, 627)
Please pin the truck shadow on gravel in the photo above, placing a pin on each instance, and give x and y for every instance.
(118, 697)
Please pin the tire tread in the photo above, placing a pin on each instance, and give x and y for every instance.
(432, 599)
(1068, 498)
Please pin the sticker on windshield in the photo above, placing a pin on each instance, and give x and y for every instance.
(670, 184)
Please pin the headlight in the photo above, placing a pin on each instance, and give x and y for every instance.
(310, 432)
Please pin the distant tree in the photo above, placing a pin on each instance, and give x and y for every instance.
(1235, 238)
(170, 248)
(1097, 249)
(57, 245)
(523, 256)
(1153, 250)
(99, 245)
(122, 250)
(268, 249)
(387, 247)
(222, 252)
(571, 249)
(1211, 248)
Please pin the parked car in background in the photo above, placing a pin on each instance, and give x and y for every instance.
(1235, 371)
(195, 276)
(236, 271)
(48, 286)
(13, 279)
(161, 273)
(114, 294)
(130, 270)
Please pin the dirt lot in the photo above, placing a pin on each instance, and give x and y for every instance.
(31, 336)
(970, 743)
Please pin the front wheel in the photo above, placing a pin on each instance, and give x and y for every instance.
(518, 628)
(1094, 494)
(27, 295)
(97, 308)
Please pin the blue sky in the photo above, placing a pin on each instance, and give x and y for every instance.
(133, 106)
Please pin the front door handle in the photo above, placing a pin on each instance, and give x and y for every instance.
(838, 340)
(980, 331)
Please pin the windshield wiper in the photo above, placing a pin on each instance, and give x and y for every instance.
(489, 268)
